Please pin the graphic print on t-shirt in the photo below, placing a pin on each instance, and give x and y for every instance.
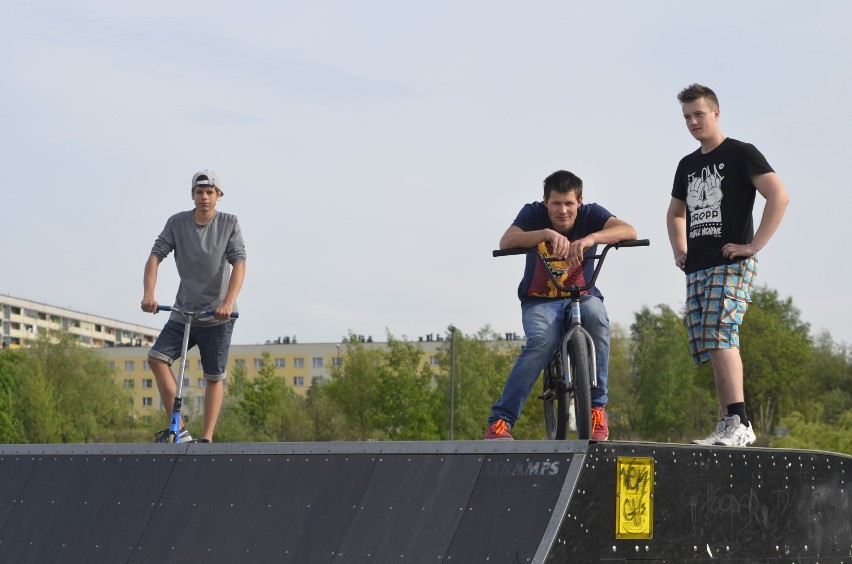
(541, 285)
(704, 202)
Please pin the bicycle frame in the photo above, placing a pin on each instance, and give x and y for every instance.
(574, 295)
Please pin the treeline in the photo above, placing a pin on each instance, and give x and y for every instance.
(59, 392)
(798, 390)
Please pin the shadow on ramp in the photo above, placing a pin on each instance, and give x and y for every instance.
(463, 502)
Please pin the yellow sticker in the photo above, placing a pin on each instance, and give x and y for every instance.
(634, 498)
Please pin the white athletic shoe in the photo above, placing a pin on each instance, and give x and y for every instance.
(736, 434)
(711, 439)
(163, 436)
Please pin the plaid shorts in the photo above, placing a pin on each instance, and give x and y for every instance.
(716, 301)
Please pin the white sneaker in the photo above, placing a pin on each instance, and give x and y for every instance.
(712, 437)
(736, 434)
(163, 436)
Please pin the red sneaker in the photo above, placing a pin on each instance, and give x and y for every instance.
(600, 428)
(498, 431)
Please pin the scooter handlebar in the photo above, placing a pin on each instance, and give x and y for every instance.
(234, 315)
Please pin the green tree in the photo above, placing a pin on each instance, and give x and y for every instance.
(232, 426)
(326, 420)
(827, 393)
(262, 409)
(68, 394)
(354, 390)
(776, 351)
(622, 408)
(482, 363)
(803, 433)
(406, 394)
(672, 403)
(821, 414)
(385, 394)
(40, 412)
(264, 398)
(11, 424)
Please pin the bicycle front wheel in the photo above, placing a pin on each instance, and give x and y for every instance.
(581, 384)
(556, 399)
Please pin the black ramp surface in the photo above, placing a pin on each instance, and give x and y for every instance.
(510, 508)
(411, 508)
(259, 506)
(737, 505)
(464, 502)
(14, 472)
(85, 506)
(380, 502)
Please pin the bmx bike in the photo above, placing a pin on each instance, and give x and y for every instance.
(571, 371)
(173, 433)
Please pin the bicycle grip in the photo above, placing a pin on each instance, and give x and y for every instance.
(633, 243)
(507, 252)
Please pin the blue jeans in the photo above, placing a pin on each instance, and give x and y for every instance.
(543, 322)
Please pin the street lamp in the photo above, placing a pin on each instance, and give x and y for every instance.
(452, 329)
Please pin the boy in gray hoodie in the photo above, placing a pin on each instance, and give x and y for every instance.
(211, 262)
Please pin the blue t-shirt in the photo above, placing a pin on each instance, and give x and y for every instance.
(591, 218)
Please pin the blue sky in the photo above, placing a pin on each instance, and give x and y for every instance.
(376, 151)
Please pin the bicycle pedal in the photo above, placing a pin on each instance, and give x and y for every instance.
(548, 395)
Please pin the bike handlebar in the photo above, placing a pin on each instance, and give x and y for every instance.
(573, 289)
(632, 243)
(234, 315)
(525, 250)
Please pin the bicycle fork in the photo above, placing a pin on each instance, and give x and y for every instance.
(576, 327)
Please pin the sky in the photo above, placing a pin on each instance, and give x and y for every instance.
(376, 151)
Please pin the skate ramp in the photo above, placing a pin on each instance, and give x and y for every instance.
(463, 502)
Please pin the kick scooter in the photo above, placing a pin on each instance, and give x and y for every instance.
(173, 434)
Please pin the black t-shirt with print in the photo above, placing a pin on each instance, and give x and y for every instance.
(719, 197)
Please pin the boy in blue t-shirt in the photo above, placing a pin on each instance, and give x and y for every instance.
(569, 229)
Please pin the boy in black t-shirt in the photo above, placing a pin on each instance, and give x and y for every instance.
(712, 235)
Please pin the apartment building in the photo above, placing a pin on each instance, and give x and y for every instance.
(23, 320)
(299, 364)
(125, 347)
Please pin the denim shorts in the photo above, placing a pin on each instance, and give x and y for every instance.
(716, 301)
(214, 343)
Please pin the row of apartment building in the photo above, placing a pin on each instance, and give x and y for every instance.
(23, 320)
